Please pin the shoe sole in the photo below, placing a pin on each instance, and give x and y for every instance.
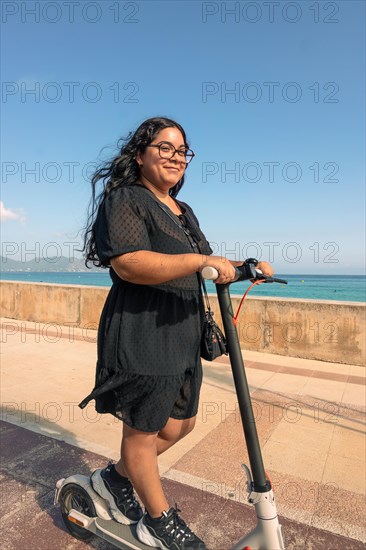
(100, 488)
(144, 535)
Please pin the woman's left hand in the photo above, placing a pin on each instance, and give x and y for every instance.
(265, 268)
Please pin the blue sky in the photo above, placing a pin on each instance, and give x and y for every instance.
(271, 95)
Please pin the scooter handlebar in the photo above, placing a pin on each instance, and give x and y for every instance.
(211, 273)
(243, 273)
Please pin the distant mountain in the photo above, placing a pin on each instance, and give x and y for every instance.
(57, 263)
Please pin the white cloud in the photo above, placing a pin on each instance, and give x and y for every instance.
(8, 214)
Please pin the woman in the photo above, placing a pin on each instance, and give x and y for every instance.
(149, 370)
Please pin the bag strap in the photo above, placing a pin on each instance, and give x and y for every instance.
(205, 293)
(168, 212)
(188, 234)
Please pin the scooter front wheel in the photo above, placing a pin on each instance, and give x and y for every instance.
(73, 496)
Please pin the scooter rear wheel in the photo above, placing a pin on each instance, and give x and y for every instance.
(74, 496)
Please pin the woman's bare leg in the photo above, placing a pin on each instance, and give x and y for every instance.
(139, 458)
(139, 452)
(173, 431)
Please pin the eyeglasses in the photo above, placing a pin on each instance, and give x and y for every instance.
(167, 151)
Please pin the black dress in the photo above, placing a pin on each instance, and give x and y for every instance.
(148, 335)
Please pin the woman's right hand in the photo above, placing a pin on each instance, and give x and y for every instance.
(224, 267)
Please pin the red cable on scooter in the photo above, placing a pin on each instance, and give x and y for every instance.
(235, 318)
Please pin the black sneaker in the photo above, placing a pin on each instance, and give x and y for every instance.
(119, 495)
(168, 531)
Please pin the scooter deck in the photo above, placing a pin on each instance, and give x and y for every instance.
(121, 536)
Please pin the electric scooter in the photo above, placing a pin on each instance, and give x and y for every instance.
(86, 514)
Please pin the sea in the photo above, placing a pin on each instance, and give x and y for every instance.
(349, 288)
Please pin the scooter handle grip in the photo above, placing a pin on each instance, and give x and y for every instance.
(209, 273)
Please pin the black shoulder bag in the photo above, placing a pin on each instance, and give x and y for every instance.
(213, 341)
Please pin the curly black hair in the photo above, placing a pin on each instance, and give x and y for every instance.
(122, 171)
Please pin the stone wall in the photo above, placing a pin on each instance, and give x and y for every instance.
(310, 329)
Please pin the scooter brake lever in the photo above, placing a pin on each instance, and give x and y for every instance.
(265, 279)
(259, 276)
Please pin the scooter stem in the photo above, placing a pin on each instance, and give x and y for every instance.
(260, 483)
